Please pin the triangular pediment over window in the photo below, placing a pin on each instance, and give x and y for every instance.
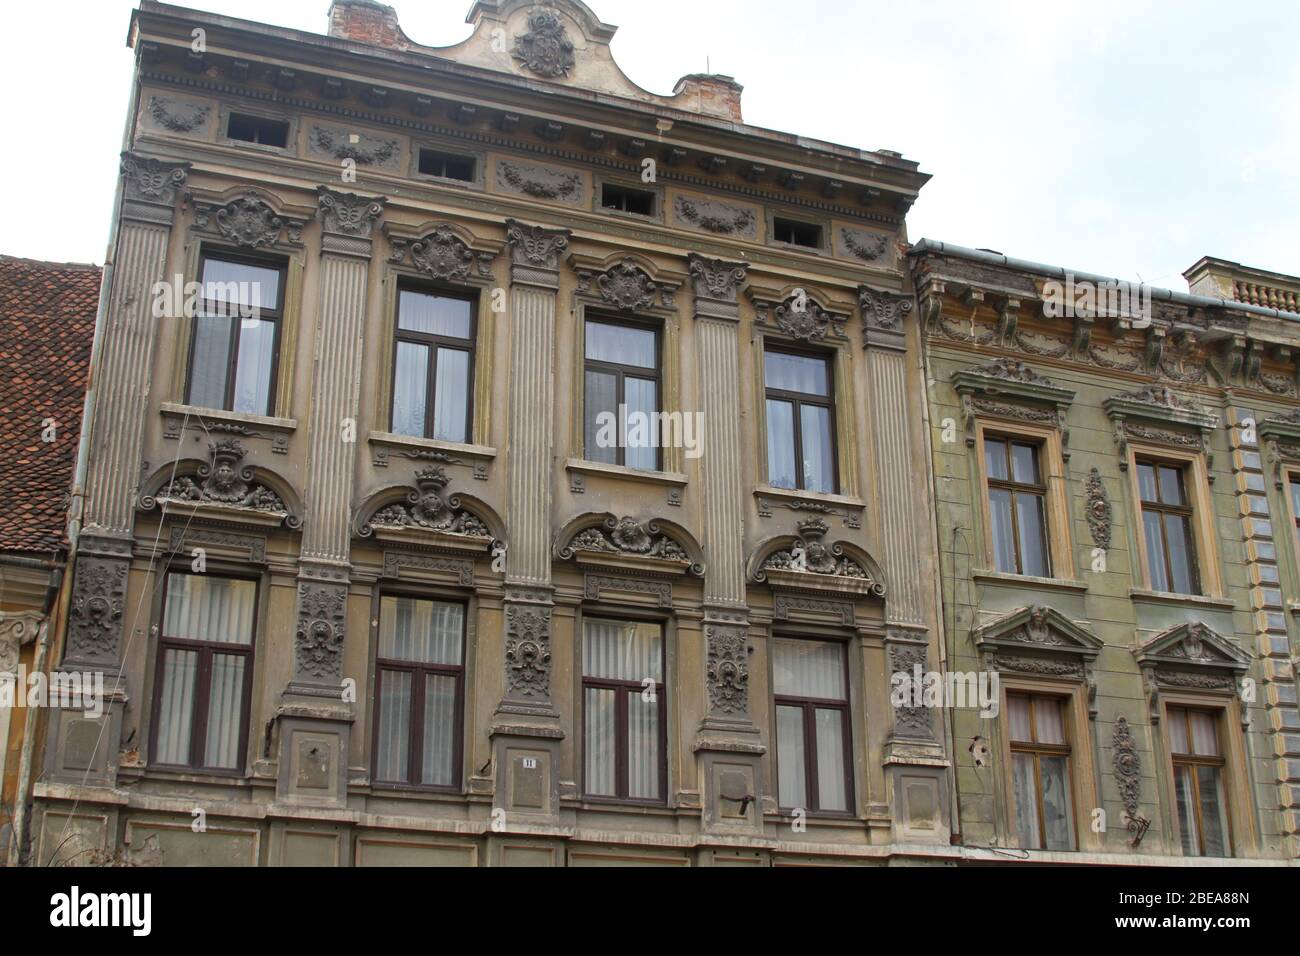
(1037, 629)
(1192, 644)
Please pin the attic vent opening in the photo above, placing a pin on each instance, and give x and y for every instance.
(446, 165)
(641, 202)
(797, 233)
(258, 129)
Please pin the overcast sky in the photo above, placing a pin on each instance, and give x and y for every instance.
(1124, 138)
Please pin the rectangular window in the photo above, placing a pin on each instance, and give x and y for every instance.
(1017, 506)
(1198, 782)
(419, 687)
(800, 422)
(446, 165)
(621, 395)
(813, 737)
(797, 233)
(257, 129)
(234, 351)
(1294, 485)
(1167, 528)
(626, 199)
(624, 710)
(1040, 771)
(433, 366)
(205, 672)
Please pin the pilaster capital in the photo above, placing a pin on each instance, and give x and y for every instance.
(883, 312)
(535, 253)
(717, 284)
(347, 220)
(150, 188)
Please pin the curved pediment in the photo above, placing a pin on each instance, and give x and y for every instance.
(223, 489)
(806, 561)
(1192, 644)
(1036, 629)
(425, 515)
(653, 545)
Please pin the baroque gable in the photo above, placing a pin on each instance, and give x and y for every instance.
(628, 544)
(224, 490)
(807, 562)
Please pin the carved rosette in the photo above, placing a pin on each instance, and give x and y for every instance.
(801, 318)
(318, 642)
(528, 652)
(627, 286)
(727, 672)
(546, 48)
(95, 621)
(910, 720)
(348, 214)
(1128, 768)
(427, 507)
(1097, 505)
(248, 221)
(631, 537)
(444, 255)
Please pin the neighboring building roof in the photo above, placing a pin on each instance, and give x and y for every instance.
(47, 323)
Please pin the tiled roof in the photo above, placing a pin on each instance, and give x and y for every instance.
(47, 322)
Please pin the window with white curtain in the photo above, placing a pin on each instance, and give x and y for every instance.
(419, 686)
(433, 366)
(1040, 771)
(234, 350)
(1199, 792)
(813, 738)
(205, 672)
(621, 370)
(623, 700)
(800, 421)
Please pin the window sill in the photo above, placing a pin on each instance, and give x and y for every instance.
(1169, 597)
(623, 473)
(174, 410)
(1029, 580)
(411, 443)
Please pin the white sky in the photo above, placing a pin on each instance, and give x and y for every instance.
(1127, 139)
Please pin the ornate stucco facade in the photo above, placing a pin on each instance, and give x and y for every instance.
(355, 567)
(1203, 385)
(358, 165)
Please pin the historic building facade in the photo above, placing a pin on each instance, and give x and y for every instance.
(377, 558)
(1117, 486)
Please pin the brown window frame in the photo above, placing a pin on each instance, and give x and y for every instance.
(1187, 512)
(806, 398)
(274, 315)
(621, 373)
(810, 706)
(203, 683)
(1220, 762)
(1039, 750)
(1010, 485)
(622, 780)
(433, 343)
(418, 671)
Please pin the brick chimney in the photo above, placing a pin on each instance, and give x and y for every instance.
(713, 93)
(365, 21)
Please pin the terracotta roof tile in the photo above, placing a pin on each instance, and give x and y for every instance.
(47, 323)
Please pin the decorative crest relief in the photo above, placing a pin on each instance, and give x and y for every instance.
(884, 310)
(812, 556)
(95, 625)
(426, 507)
(627, 286)
(716, 279)
(717, 217)
(153, 180)
(444, 255)
(224, 481)
(540, 182)
(247, 221)
(546, 48)
(867, 246)
(321, 631)
(811, 323)
(727, 672)
(536, 245)
(631, 537)
(1098, 509)
(347, 213)
(528, 651)
(179, 116)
